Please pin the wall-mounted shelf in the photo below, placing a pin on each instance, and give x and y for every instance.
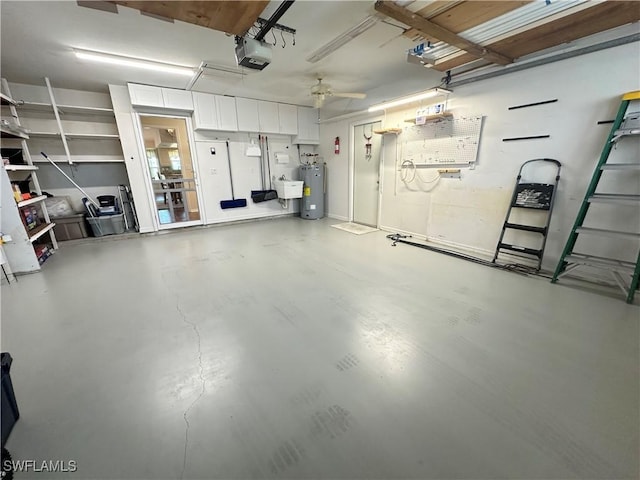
(384, 131)
(95, 136)
(80, 159)
(71, 136)
(6, 100)
(82, 123)
(431, 118)
(37, 232)
(6, 132)
(66, 109)
(20, 168)
(44, 134)
(31, 201)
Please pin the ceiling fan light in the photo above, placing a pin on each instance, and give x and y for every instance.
(434, 92)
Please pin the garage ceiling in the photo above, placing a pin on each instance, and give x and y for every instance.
(38, 37)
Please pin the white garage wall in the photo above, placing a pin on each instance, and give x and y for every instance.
(469, 212)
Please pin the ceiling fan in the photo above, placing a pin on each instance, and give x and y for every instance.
(321, 91)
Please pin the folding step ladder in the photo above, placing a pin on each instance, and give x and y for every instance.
(536, 196)
(624, 125)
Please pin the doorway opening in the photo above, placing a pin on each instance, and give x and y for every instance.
(366, 173)
(171, 171)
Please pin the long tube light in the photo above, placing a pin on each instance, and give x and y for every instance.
(434, 92)
(123, 61)
(343, 38)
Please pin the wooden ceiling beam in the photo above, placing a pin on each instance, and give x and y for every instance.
(234, 17)
(595, 19)
(459, 16)
(430, 29)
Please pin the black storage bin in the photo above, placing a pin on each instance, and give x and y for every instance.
(10, 413)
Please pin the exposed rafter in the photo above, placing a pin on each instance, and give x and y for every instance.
(597, 18)
(230, 17)
(430, 30)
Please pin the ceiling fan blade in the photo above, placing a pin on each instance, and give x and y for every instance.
(350, 95)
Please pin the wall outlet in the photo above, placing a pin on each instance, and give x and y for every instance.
(213, 171)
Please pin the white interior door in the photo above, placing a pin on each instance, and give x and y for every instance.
(366, 175)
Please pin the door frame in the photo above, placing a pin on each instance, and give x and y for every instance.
(352, 165)
(137, 123)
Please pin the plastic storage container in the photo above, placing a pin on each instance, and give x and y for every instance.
(10, 413)
(107, 225)
(70, 227)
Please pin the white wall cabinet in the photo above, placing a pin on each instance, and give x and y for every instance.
(308, 128)
(157, 97)
(214, 112)
(288, 119)
(247, 110)
(268, 117)
(177, 99)
(227, 116)
(146, 95)
(205, 113)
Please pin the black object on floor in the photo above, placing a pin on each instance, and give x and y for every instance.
(10, 413)
(6, 472)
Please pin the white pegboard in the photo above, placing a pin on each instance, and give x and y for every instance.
(447, 141)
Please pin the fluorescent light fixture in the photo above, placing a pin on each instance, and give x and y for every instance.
(344, 38)
(123, 61)
(434, 92)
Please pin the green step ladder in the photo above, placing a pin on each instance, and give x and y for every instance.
(623, 126)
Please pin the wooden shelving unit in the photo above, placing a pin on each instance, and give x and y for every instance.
(385, 131)
(432, 118)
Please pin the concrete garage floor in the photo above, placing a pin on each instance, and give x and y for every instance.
(289, 349)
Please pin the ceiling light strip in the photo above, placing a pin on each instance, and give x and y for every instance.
(434, 92)
(343, 38)
(123, 61)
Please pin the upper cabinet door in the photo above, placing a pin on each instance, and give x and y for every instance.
(169, 98)
(177, 99)
(146, 95)
(247, 110)
(308, 129)
(205, 113)
(288, 116)
(268, 117)
(227, 115)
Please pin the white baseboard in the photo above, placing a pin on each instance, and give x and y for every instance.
(337, 217)
(418, 236)
(459, 246)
